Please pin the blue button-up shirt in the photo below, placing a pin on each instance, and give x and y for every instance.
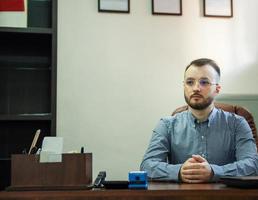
(225, 140)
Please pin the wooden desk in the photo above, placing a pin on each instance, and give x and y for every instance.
(156, 191)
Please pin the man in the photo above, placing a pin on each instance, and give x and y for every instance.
(202, 143)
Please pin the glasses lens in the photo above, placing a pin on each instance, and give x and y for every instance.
(189, 82)
(204, 82)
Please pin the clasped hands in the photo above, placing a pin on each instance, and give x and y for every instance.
(196, 170)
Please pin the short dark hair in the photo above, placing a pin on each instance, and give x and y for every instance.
(204, 61)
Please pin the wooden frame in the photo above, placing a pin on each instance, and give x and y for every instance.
(167, 7)
(115, 6)
(218, 8)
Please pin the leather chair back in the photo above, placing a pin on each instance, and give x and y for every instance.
(234, 109)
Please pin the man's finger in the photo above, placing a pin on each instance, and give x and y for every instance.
(193, 177)
(193, 166)
(192, 172)
(192, 160)
(198, 158)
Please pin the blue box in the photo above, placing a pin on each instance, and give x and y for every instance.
(138, 180)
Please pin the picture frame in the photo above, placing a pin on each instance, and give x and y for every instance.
(114, 6)
(218, 8)
(167, 7)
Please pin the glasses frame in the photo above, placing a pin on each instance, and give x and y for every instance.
(199, 83)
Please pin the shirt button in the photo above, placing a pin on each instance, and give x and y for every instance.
(203, 155)
(202, 137)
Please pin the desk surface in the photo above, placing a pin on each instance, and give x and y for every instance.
(159, 191)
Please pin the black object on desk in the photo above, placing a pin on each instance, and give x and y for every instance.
(240, 181)
(116, 184)
(100, 182)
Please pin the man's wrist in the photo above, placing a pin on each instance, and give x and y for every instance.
(179, 176)
(217, 172)
(211, 174)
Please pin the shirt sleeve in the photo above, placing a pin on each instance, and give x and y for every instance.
(155, 159)
(246, 163)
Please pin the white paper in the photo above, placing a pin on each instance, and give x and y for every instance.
(52, 149)
(49, 157)
(13, 18)
(167, 6)
(114, 5)
(221, 7)
(53, 144)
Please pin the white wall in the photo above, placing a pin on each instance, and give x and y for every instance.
(119, 73)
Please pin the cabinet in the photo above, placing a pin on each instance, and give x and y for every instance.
(28, 67)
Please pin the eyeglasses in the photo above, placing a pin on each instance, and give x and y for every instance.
(204, 83)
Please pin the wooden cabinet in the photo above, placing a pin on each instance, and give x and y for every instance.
(28, 63)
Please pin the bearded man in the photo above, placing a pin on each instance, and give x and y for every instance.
(202, 143)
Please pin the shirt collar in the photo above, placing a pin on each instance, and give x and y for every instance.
(193, 120)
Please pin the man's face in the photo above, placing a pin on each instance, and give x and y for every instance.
(200, 86)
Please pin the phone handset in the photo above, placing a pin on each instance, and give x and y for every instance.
(100, 178)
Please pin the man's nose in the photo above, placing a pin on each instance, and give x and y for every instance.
(196, 86)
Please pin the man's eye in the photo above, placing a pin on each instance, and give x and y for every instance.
(189, 82)
(204, 82)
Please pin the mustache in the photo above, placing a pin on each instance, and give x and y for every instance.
(196, 95)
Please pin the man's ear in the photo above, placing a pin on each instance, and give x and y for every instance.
(218, 87)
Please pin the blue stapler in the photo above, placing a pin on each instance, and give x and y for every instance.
(138, 180)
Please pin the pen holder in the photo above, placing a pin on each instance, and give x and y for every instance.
(75, 170)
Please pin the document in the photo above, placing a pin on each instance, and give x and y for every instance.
(52, 149)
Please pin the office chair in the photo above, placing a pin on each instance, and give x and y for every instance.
(233, 109)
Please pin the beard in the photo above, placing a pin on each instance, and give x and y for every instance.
(199, 106)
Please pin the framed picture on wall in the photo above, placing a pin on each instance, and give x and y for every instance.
(115, 6)
(167, 7)
(218, 8)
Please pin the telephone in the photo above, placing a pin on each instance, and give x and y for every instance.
(100, 179)
(101, 183)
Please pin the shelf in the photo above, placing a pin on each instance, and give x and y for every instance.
(28, 72)
(26, 117)
(5, 159)
(26, 30)
(7, 60)
(26, 68)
